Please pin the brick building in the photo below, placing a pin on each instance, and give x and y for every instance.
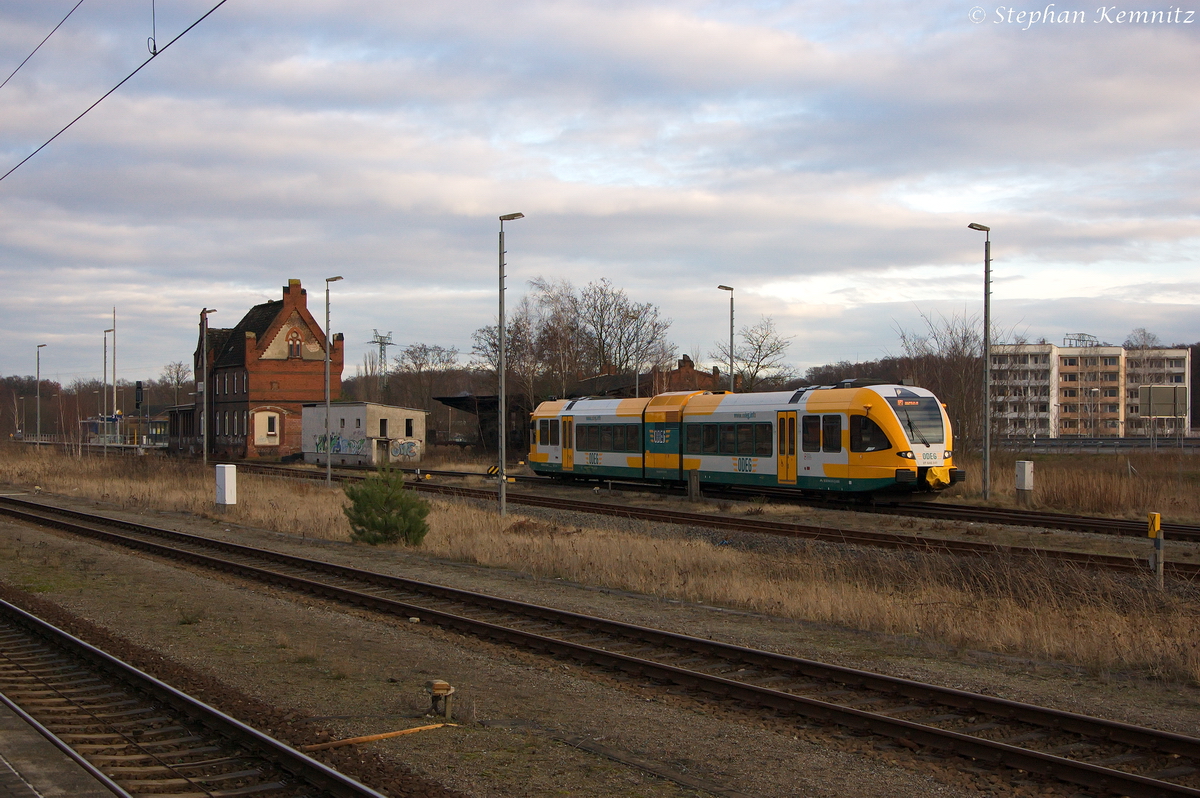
(260, 373)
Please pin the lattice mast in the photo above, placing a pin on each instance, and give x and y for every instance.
(383, 342)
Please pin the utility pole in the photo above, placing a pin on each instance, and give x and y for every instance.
(116, 418)
(500, 408)
(328, 442)
(104, 394)
(204, 384)
(39, 393)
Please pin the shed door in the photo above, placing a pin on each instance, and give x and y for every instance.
(568, 443)
(785, 440)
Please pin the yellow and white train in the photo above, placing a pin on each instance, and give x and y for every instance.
(846, 439)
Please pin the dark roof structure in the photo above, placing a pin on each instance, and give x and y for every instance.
(231, 351)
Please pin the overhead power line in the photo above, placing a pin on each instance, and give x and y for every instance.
(43, 41)
(154, 55)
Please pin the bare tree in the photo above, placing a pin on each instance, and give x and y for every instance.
(947, 358)
(1141, 338)
(559, 337)
(520, 353)
(420, 365)
(176, 375)
(760, 359)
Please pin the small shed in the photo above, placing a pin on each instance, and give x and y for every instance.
(363, 433)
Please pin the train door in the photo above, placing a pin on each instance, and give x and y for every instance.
(785, 457)
(568, 443)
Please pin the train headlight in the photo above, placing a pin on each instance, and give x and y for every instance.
(949, 454)
(908, 455)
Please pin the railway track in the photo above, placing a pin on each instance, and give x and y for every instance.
(934, 510)
(138, 736)
(1178, 568)
(1105, 756)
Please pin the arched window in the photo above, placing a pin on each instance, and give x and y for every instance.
(293, 342)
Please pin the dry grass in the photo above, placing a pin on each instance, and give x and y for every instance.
(1038, 609)
(1127, 485)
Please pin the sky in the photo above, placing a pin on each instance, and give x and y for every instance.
(823, 159)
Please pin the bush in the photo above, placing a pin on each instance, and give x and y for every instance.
(382, 510)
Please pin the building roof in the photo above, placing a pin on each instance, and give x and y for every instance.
(232, 350)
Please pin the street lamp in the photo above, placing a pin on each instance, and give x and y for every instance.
(500, 409)
(730, 290)
(104, 392)
(204, 384)
(39, 392)
(328, 443)
(987, 353)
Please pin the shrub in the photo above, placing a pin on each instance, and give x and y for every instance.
(382, 510)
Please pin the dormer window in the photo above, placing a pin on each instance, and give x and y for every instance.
(293, 343)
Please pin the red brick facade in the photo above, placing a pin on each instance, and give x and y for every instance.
(261, 372)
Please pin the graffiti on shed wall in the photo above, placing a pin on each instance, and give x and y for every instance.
(404, 448)
(341, 445)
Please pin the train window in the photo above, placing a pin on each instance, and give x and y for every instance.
(618, 437)
(867, 436)
(791, 449)
(554, 432)
(728, 443)
(543, 432)
(694, 434)
(605, 438)
(762, 440)
(566, 434)
(593, 441)
(831, 433)
(745, 439)
(811, 430)
(710, 438)
(633, 438)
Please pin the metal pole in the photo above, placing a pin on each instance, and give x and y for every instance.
(987, 366)
(204, 384)
(501, 367)
(116, 418)
(730, 290)
(501, 416)
(731, 381)
(987, 356)
(104, 395)
(328, 442)
(39, 392)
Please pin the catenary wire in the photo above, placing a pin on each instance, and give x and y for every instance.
(161, 50)
(43, 41)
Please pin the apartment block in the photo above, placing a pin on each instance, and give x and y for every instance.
(1082, 389)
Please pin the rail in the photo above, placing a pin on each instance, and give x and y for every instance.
(1105, 755)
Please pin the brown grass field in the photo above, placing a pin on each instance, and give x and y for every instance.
(1102, 621)
(1118, 485)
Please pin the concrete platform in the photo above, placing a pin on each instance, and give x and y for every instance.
(31, 767)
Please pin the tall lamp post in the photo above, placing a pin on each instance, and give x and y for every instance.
(500, 368)
(116, 418)
(730, 290)
(204, 384)
(104, 395)
(328, 442)
(39, 392)
(987, 357)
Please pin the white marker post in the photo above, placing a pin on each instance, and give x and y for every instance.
(226, 486)
(1024, 483)
(1154, 530)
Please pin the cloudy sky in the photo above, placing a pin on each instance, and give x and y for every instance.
(824, 159)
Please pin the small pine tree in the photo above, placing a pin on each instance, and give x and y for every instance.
(382, 510)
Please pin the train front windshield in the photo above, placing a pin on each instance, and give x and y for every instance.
(921, 418)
